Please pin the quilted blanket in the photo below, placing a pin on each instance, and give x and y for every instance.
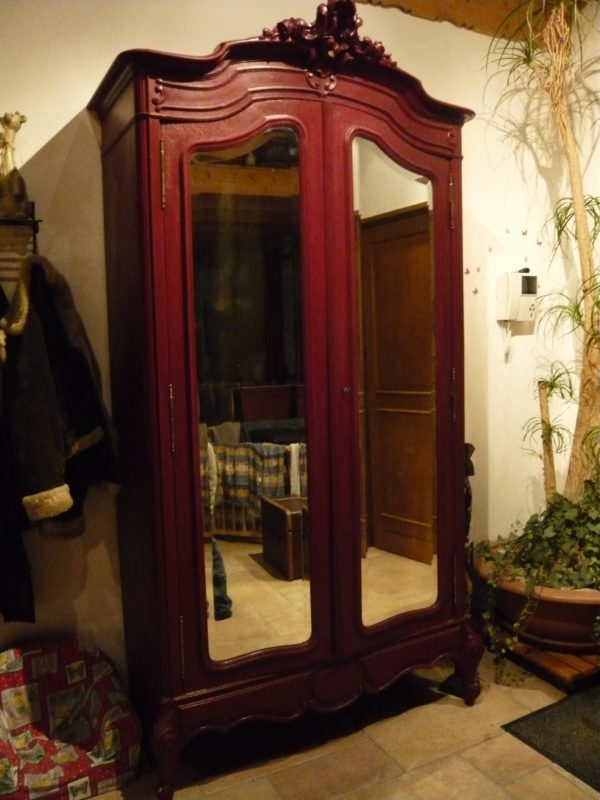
(67, 729)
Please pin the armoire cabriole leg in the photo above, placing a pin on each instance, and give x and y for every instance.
(473, 648)
(166, 743)
(164, 791)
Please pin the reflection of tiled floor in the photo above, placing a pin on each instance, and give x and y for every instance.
(391, 584)
(269, 611)
(410, 743)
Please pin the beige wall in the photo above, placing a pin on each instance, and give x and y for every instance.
(53, 55)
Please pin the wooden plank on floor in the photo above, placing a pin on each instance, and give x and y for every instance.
(567, 670)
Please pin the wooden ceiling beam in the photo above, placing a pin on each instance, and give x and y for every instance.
(491, 17)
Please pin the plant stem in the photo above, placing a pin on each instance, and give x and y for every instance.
(547, 450)
(557, 39)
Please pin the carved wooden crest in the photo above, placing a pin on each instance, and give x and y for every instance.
(332, 40)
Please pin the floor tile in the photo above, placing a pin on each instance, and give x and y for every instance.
(503, 758)
(448, 779)
(335, 774)
(425, 734)
(263, 767)
(548, 783)
(259, 789)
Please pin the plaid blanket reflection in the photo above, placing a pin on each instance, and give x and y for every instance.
(248, 471)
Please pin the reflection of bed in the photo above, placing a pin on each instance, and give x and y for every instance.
(236, 476)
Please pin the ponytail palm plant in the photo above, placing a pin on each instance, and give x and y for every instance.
(550, 58)
(561, 545)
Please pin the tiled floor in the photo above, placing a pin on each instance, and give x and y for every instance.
(389, 584)
(413, 742)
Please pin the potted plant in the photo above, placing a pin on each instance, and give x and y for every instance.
(555, 557)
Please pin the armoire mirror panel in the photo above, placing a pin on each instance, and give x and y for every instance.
(249, 338)
(395, 291)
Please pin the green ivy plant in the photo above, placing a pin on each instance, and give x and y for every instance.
(558, 547)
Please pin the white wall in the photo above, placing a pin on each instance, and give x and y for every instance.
(53, 55)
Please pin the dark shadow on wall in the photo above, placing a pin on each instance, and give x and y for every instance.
(64, 180)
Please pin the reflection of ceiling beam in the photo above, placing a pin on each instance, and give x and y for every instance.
(492, 17)
(240, 180)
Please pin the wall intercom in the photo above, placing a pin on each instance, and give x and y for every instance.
(516, 294)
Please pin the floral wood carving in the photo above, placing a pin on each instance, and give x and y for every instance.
(332, 41)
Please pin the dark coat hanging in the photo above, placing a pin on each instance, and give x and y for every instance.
(58, 437)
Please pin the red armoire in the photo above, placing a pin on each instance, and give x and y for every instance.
(283, 239)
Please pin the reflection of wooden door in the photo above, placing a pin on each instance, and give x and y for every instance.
(398, 353)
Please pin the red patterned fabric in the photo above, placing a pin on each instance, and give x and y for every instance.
(66, 728)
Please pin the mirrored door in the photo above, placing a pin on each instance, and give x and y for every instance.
(397, 397)
(249, 338)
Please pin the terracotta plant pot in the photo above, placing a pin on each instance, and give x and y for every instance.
(563, 619)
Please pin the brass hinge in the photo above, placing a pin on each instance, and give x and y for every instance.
(451, 200)
(181, 649)
(455, 581)
(172, 416)
(453, 400)
(163, 175)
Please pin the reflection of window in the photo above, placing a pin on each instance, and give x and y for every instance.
(381, 185)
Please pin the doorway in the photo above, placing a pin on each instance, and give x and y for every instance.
(398, 369)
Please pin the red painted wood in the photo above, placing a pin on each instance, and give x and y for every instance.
(151, 103)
